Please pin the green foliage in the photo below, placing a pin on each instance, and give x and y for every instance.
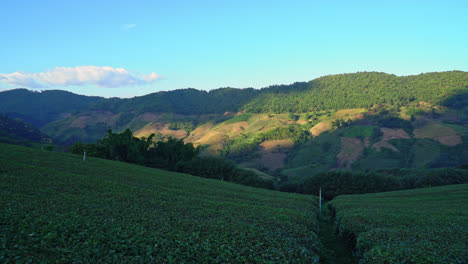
(171, 154)
(183, 101)
(40, 108)
(393, 122)
(127, 148)
(317, 155)
(361, 90)
(49, 148)
(182, 125)
(415, 111)
(459, 100)
(15, 130)
(239, 118)
(312, 100)
(345, 182)
(293, 132)
(124, 119)
(212, 167)
(361, 132)
(333, 92)
(54, 207)
(244, 146)
(413, 226)
(341, 123)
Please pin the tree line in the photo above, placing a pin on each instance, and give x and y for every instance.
(171, 154)
(336, 183)
(341, 91)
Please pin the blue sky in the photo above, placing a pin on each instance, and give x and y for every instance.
(130, 48)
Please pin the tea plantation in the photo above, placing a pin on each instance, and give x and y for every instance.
(414, 226)
(55, 207)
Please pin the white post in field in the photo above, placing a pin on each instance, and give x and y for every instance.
(320, 201)
(84, 155)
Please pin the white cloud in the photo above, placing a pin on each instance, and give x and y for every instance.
(78, 76)
(129, 26)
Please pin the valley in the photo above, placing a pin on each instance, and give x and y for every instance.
(322, 125)
(381, 147)
(328, 132)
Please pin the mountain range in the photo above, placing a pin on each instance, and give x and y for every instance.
(358, 121)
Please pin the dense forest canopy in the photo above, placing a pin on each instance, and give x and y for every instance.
(39, 108)
(183, 101)
(15, 130)
(341, 91)
(358, 90)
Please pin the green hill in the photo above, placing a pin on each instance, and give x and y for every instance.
(40, 108)
(55, 207)
(15, 131)
(358, 90)
(358, 121)
(415, 226)
(341, 91)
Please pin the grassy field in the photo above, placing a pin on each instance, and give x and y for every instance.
(54, 207)
(414, 226)
(358, 131)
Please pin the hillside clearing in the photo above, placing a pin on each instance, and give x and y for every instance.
(320, 128)
(158, 128)
(199, 132)
(444, 134)
(351, 150)
(389, 134)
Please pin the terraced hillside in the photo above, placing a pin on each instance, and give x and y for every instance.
(55, 207)
(427, 225)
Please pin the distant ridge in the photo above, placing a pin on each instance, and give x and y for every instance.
(40, 108)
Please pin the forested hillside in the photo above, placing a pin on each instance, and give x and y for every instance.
(337, 92)
(361, 90)
(40, 108)
(358, 121)
(183, 101)
(18, 132)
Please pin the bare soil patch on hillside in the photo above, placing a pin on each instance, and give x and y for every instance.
(161, 129)
(149, 117)
(214, 139)
(278, 145)
(384, 144)
(351, 150)
(452, 140)
(272, 161)
(273, 153)
(350, 114)
(93, 118)
(301, 122)
(320, 128)
(199, 132)
(392, 133)
(445, 135)
(233, 129)
(367, 142)
(388, 134)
